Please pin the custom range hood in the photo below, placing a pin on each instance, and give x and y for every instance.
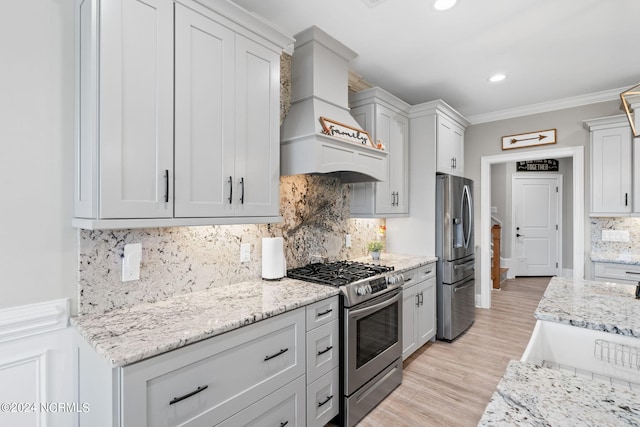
(320, 88)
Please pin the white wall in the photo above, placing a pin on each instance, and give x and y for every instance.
(485, 140)
(38, 255)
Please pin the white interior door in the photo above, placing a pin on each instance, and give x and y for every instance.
(537, 224)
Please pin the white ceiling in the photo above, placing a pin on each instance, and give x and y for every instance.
(551, 50)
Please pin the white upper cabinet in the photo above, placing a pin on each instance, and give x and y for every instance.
(611, 166)
(449, 146)
(385, 118)
(227, 115)
(125, 136)
(222, 166)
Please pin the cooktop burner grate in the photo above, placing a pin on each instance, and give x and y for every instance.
(337, 273)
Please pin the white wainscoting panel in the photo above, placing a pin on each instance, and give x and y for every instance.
(37, 366)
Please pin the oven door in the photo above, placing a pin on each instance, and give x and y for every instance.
(372, 334)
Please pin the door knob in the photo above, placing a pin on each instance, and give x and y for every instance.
(520, 235)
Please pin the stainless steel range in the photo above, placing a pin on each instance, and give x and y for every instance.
(371, 331)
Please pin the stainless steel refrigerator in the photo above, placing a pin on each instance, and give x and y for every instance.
(456, 259)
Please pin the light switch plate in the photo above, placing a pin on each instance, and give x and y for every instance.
(131, 262)
(347, 240)
(245, 252)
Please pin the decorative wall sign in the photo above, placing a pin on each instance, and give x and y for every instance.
(546, 165)
(541, 137)
(346, 132)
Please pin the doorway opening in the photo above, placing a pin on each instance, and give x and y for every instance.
(577, 154)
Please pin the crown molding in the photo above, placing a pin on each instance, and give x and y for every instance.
(543, 107)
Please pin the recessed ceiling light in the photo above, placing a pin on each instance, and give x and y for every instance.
(443, 4)
(497, 78)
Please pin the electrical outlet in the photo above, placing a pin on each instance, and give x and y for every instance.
(131, 262)
(347, 240)
(245, 252)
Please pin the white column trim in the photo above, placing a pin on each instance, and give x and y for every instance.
(24, 321)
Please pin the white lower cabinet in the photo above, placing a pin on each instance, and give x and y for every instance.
(283, 407)
(323, 357)
(279, 371)
(418, 308)
(616, 272)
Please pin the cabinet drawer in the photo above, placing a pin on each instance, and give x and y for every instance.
(323, 399)
(323, 350)
(322, 312)
(622, 273)
(207, 382)
(284, 406)
(416, 275)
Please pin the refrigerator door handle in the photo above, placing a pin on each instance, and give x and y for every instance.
(466, 194)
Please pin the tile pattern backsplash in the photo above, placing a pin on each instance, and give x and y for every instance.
(179, 260)
(603, 250)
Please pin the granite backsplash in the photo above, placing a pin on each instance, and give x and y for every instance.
(179, 260)
(615, 251)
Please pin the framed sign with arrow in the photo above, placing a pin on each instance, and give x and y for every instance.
(531, 139)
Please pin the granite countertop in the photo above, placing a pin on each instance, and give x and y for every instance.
(530, 395)
(616, 257)
(129, 335)
(607, 307)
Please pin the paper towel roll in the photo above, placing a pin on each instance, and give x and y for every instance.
(273, 262)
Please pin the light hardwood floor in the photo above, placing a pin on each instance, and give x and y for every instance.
(450, 384)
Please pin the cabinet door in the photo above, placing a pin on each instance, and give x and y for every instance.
(426, 328)
(204, 140)
(362, 193)
(611, 170)
(392, 130)
(257, 167)
(136, 109)
(450, 147)
(409, 313)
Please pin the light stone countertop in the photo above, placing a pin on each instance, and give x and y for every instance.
(529, 395)
(607, 307)
(128, 335)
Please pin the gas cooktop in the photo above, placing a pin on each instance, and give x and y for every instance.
(338, 273)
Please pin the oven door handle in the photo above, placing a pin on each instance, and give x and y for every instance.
(365, 311)
(464, 287)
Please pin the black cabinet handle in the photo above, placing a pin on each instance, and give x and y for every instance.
(324, 312)
(166, 185)
(325, 401)
(626, 199)
(277, 354)
(242, 191)
(284, 423)
(188, 395)
(325, 350)
(230, 190)
(417, 300)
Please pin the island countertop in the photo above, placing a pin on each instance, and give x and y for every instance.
(128, 335)
(530, 395)
(601, 306)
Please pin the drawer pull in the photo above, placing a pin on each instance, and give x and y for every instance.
(324, 312)
(284, 350)
(325, 350)
(632, 272)
(188, 395)
(284, 423)
(325, 401)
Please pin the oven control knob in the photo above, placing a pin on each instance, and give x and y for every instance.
(361, 290)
